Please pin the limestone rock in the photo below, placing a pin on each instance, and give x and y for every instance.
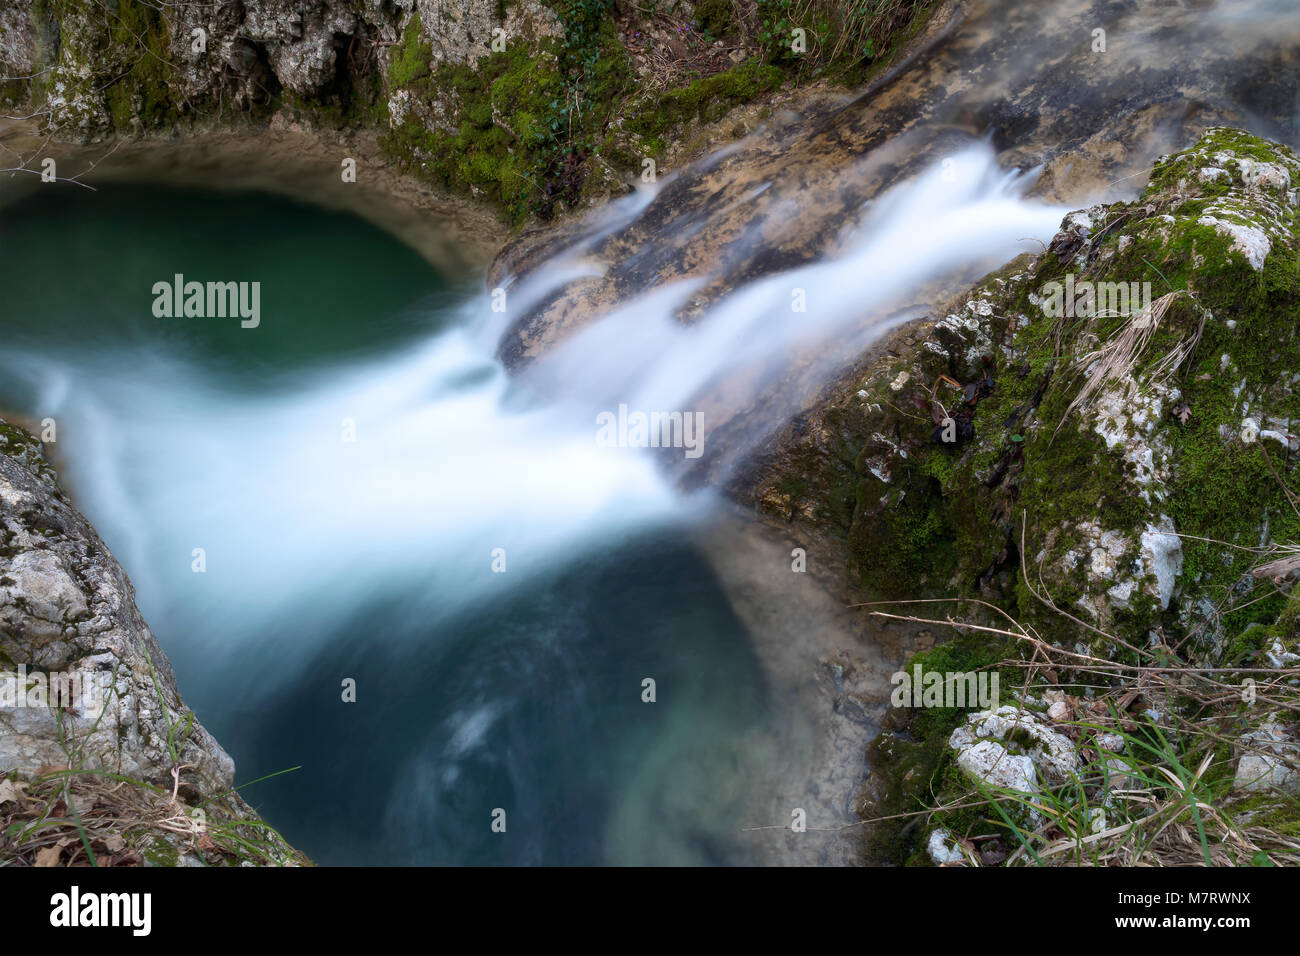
(233, 55)
(1009, 748)
(461, 31)
(1112, 446)
(67, 612)
(1270, 760)
(942, 849)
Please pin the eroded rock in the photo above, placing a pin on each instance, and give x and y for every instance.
(84, 684)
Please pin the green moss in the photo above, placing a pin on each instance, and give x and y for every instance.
(1182, 168)
(714, 16)
(507, 126)
(1224, 488)
(522, 122)
(904, 540)
(144, 26)
(1279, 812)
(1030, 461)
(966, 653)
(1059, 476)
(410, 57)
(157, 851)
(794, 484)
(569, 124)
(912, 753)
(706, 99)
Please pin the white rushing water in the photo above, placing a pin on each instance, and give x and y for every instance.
(961, 213)
(350, 514)
(447, 464)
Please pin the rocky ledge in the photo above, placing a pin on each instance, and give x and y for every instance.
(100, 759)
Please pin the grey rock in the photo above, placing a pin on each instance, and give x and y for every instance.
(1009, 748)
(1269, 760)
(67, 611)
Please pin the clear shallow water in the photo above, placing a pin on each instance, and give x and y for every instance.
(371, 559)
(79, 267)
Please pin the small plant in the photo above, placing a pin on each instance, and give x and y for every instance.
(80, 814)
(1158, 737)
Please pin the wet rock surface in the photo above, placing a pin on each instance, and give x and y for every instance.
(1093, 120)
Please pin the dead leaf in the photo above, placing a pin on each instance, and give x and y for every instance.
(49, 856)
(993, 856)
(114, 843)
(11, 791)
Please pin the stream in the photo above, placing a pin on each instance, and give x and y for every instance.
(354, 491)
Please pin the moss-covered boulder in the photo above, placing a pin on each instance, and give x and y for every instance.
(88, 69)
(1117, 415)
(1100, 442)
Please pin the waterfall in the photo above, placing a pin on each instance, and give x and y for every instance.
(455, 535)
(401, 475)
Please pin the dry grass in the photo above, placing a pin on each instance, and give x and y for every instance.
(79, 818)
(855, 25)
(1172, 803)
(1117, 361)
(80, 814)
(62, 818)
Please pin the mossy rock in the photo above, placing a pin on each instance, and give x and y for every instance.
(1091, 482)
(911, 761)
(1111, 496)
